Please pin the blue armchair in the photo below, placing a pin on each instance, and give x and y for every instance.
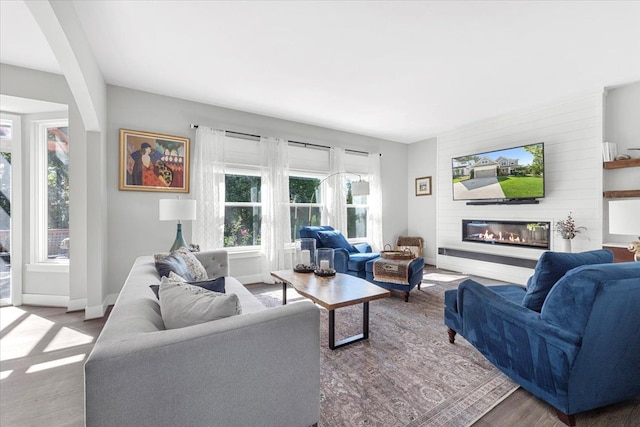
(579, 350)
(349, 259)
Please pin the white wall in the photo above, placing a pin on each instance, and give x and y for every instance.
(572, 132)
(421, 162)
(134, 228)
(622, 126)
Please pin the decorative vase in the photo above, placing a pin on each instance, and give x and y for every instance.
(565, 245)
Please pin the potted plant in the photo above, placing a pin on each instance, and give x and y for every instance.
(568, 229)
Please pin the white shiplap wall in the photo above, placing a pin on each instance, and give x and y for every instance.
(571, 130)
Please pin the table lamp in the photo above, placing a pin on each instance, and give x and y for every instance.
(178, 210)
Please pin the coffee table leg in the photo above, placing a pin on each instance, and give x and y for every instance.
(284, 293)
(332, 329)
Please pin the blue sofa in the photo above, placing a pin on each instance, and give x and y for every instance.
(349, 259)
(570, 338)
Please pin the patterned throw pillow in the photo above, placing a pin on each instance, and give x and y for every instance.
(182, 304)
(174, 263)
(197, 272)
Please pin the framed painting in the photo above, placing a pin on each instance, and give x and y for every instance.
(153, 162)
(423, 186)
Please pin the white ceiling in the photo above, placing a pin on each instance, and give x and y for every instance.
(397, 70)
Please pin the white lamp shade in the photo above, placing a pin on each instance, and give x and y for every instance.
(360, 188)
(177, 210)
(624, 217)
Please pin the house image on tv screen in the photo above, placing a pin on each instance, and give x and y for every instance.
(513, 173)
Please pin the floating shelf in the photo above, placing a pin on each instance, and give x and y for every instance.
(617, 164)
(621, 193)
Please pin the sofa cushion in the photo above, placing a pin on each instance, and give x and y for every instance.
(551, 267)
(182, 304)
(215, 285)
(173, 262)
(358, 261)
(334, 239)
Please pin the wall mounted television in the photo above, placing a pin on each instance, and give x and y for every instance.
(511, 175)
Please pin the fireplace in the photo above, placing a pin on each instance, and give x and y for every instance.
(529, 234)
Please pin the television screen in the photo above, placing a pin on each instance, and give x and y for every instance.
(509, 174)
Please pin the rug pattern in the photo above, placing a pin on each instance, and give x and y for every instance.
(406, 374)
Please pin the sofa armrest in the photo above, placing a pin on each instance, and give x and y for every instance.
(340, 260)
(476, 302)
(363, 248)
(219, 373)
(216, 262)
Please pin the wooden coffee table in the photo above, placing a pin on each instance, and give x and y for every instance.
(333, 292)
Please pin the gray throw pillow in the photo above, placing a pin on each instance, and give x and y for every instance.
(196, 270)
(183, 305)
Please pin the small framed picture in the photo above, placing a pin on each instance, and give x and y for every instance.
(423, 186)
(153, 162)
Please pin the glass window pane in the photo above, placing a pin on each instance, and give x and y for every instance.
(242, 188)
(58, 192)
(356, 222)
(302, 216)
(242, 226)
(304, 190)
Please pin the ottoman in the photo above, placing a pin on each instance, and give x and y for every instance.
(415, 277)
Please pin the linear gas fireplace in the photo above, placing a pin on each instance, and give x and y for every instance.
(530, 234)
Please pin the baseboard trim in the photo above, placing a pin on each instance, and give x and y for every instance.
(77, 304)
(45, 300)
(98, 311)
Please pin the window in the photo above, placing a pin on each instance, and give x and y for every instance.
(243, 210)
(51, 191)
(304, 198)
(357, 210)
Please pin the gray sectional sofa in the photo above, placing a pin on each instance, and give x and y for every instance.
(261, 367)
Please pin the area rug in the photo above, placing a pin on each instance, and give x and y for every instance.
(406, 374)
(440, 277)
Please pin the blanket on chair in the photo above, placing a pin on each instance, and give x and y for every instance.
(391, 270)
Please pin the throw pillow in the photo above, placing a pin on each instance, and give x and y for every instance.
(551, 267)
(183, 305)
(198, 272)
(173, 263)
(215, 285)
(335, 239)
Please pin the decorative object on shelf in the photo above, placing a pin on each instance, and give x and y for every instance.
(305, 255)
(324, 262)
(634, 247)
(622, 157)
(609, 151)
(177, 210)
(568, 229)
(423, 186)
(153, 162)
(624, 218)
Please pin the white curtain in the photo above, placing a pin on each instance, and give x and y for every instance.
(374, 200)
(276, 218)
(334, 193)
(208, 183)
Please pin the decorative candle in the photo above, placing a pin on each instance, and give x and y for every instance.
(324, 264)
(305, 257)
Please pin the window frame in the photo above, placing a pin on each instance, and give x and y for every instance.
(39, 217)
(318, 204)
(248, 171)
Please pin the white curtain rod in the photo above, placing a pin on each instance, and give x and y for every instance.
(305, 144)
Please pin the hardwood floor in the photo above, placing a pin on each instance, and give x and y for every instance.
(42, 351)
